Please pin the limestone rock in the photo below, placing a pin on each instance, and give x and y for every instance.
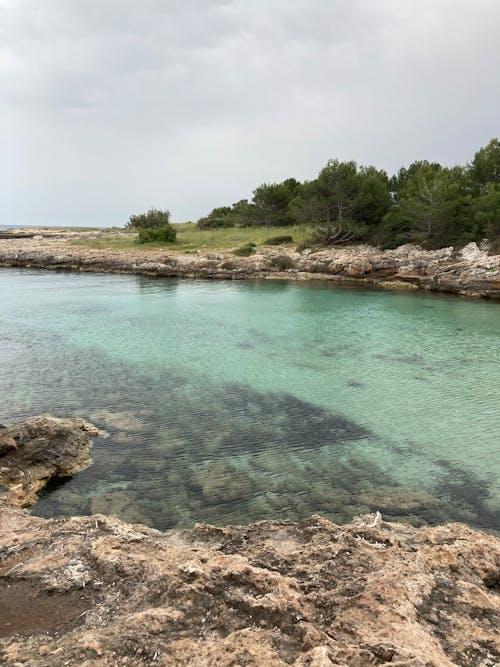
(34, 451)
(470, 271)
(95, 591)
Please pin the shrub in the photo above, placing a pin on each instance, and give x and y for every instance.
(165, 234)
(308, 244)
(153, 219)
(283, 262)
(215, 223)
(245, 250)
(229, 265)
(278, 240)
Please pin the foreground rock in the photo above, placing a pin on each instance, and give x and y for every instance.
(34, 451)
(92, 591)
(469, 271)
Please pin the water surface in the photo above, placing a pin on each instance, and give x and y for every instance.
(229, 402)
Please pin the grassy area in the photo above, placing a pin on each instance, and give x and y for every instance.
(191, 239)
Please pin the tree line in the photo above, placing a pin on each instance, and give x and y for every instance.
(424, 203)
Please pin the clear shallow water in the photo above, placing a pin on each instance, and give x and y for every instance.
(237, 401)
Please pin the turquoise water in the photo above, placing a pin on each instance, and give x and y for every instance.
(229, 402)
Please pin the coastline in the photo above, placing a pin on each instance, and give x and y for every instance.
(467, 272)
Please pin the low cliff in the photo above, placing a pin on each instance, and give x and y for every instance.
(469, 271)
(93, 591)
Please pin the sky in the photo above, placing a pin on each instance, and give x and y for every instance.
(110, 107)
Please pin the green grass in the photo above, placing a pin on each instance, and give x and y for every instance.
(191, 239)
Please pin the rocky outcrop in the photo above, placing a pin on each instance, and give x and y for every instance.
(34, 451)
(93, 591)
(470, 271)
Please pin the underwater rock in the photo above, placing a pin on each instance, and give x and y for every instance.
(34, 451)
(119, 421)
(274, 593)
(398, 500)
(120, 505)
(222, 483)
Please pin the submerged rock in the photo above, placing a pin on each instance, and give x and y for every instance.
(120, 505)
(94, 591)
(34, 451)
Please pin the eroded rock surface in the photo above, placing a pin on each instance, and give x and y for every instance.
(470, 271)
(270, 594)
(34, 451)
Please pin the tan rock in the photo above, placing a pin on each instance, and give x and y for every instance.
(267, 594)
(44, 448)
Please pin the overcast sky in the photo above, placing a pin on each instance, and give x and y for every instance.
(108, 107)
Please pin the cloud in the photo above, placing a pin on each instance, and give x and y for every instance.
(108, 107)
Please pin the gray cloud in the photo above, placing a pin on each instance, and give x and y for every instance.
(110, 106)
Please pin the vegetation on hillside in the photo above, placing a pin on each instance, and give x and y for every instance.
(424, 203)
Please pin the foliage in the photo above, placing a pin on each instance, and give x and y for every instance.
(279, 240)
(214, 223)
(219, 218)
(165, 234)
(344, 202)
(485, 167)
(283, 262)
(245, 250)
(153, 219)
(271, 202)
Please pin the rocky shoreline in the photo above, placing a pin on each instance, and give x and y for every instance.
(95, 591)
(469, 271)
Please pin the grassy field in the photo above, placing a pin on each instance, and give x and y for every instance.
(191, 239)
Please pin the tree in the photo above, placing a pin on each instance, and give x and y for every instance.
(344, 203)
(220, 217)
(429, 205)
(485, 167)
(153, 219)
(486, 210)
(271, 204)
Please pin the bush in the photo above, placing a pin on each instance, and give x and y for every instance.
(215, 223)
(165, 234)
(308, 244)
(283, 262)
(153, 219)
(278, 240)
(245, 250)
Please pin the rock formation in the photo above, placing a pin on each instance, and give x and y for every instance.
(93, 591)
(469, 271)
(37, 450)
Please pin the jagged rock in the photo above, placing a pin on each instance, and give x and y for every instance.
(94, 591)
(34, 451)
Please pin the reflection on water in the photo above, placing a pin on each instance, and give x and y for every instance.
(233, 402)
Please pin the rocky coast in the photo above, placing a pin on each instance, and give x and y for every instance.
(96, 591)
(469, 271)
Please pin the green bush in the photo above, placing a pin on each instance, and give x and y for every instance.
(245, 250)
(283, 262)
(308, 244)
(165, 234)
(153, 219)
(215, 223)
(278, 240)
